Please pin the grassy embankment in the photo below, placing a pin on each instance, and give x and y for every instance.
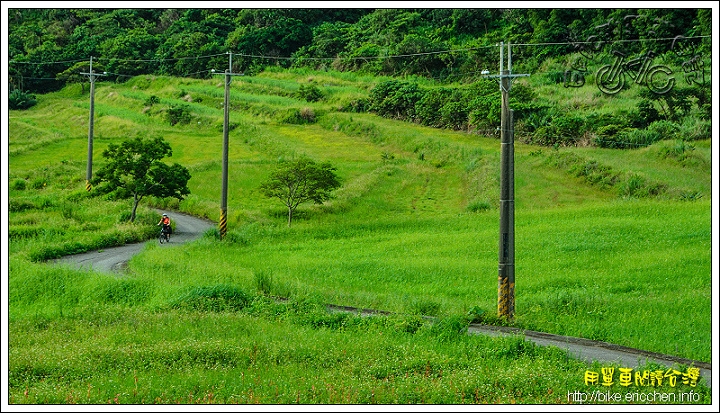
(412, 231)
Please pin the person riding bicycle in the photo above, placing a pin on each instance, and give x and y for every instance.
(165, 222)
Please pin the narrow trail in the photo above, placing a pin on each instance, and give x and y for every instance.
(188, 228)
(590, 350)
(581, 348)
(114, 259)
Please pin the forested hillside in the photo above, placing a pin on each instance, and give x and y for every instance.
(441, 43)
(439, 62)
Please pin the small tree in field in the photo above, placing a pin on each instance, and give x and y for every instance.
(299, 181)
(135, 170)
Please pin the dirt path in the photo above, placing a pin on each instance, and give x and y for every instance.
(187, 228)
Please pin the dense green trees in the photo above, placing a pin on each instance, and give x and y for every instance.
(191, 42)
(50, 47)
(475, 106)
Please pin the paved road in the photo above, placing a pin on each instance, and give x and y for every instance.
(590, 350)
(187, 228)
(580, 348)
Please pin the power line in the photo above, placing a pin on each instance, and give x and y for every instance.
(47, 63)
(448, 51)
(607, 41)
(113, 59)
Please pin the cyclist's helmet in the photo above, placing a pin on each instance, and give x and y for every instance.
(164, 215)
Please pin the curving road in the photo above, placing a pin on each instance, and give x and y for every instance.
(188, 228)
(114, 259)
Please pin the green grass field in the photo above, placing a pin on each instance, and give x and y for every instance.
(413, 230)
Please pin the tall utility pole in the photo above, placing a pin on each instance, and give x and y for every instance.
(92, 76)
(506, 248)
(226, 132)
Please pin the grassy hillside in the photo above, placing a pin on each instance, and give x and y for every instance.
(610, 244)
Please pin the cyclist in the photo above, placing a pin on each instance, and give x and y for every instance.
(165, 222)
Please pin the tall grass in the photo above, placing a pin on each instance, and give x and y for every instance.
(582, 273)
(265, 352)
(412, 231)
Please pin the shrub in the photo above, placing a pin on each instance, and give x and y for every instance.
(309, 93)
(484, 108)
(152, 100)
(524, 102)
(454, 115)
(693, 129)
(308, 114)
(299, 116)
(569, 129)
(216, 298)
(427, 109)
(595, 173)
(21, 100)
(608, 136)
(636, 138)
(359, 105)
(636, 186)
(664, 129)
(645, 115)
(178, 114)
(18, 184)
(395, 99)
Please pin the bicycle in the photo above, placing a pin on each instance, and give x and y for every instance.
(164, 235)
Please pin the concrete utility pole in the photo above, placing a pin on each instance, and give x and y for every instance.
(226, 132)
(506, 248)
(92, 76)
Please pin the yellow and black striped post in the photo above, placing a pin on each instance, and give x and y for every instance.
(503, 292)
(88, 187)
(223, 223)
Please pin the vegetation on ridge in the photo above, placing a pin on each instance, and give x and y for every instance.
(613, 243)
